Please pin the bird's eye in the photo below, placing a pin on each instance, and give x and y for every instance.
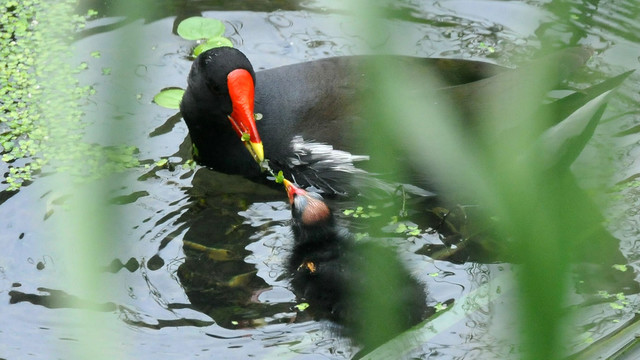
(215, 88)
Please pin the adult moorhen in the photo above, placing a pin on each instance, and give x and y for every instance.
(312, 113)
(358, 284)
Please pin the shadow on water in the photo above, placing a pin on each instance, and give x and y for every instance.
(217, 278)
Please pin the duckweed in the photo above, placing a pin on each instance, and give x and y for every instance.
(42, 122)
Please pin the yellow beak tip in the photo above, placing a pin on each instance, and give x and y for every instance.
(258, 150)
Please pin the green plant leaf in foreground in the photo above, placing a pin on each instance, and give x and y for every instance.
(169, 98)
(195, 28)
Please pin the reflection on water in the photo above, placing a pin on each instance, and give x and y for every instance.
(203, 270)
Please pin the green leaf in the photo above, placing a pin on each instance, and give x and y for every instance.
(619, 267)
(169, 98)
(440, 306)
(194, 150)
(302, 306)
(280, 177)
(215, 42)
(616, 306)
(195, 28)
(360, 236)
(189, 165)
(401, 228)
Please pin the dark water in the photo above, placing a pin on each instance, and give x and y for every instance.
(167, 297)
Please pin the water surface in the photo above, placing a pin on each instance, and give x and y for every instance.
(167, 298)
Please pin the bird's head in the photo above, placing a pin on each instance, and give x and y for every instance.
(228, 74)
(307, 208)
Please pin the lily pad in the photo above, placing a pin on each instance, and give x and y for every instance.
(169, 98)
(195, 28)
(215, 42)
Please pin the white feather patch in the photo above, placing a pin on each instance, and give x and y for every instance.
(322, 156)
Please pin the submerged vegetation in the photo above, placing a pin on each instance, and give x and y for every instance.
(41, 98)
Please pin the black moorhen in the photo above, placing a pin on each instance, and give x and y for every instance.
(311, 113)
(358, 284)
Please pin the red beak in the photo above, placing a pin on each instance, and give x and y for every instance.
(292, 190)
(242, 92)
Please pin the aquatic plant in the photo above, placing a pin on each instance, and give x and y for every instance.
(209, 34)
(41, 98)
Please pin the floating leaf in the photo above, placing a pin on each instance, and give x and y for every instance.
(440, 306)
(619, 267)
(616, 306)
(360, 236)
(491, 49)
(401, 228)
(195, 28)
(189, 165)
(169, 98)
(215, 42)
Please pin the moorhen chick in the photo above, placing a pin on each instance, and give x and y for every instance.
(360, 285)
(312, 112)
